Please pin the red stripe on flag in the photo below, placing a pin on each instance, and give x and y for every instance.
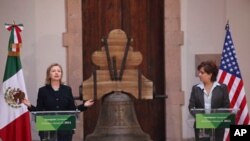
(230, 83)
(247, 119)
(236, 94)
(241, 107)
(18, 130)
(228, 137)
(223, 76)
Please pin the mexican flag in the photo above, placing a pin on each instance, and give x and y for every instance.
(15, 118)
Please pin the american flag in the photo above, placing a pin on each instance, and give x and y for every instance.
(229, 74)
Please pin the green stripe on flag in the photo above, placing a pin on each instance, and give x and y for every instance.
(11, 40)
(13, 65)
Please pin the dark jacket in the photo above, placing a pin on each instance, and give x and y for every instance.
(51, 100)
(61, 100)
(220, 98)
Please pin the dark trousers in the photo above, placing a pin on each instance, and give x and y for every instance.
(56, 136)
(218, 134)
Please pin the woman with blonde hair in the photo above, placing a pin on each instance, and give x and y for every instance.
(55, 96)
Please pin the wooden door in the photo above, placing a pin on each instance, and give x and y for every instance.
(143, 20)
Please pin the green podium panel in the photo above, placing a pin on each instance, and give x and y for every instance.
(55, 122)
(214, 120)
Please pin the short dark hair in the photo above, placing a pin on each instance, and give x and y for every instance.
(210, 67)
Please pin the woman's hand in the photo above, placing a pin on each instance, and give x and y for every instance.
(89, 103)
(26, 102)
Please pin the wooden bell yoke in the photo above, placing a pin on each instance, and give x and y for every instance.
(117, 70)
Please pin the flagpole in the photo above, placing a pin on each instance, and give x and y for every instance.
(227, 25)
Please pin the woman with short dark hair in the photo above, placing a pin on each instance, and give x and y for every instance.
(208, 95)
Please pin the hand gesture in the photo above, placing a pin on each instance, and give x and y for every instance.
(89, 103)
(26, 102)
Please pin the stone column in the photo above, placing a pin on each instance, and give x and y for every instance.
(72, 40)
(173, 42)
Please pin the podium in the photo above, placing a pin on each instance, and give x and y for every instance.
(50, 124)
(207, 121)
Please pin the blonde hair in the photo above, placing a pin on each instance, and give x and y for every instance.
(48, 79)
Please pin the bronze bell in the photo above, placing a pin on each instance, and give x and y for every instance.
(117, 120)
(116, 81)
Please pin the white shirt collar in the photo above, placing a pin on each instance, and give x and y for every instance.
(201, 85)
